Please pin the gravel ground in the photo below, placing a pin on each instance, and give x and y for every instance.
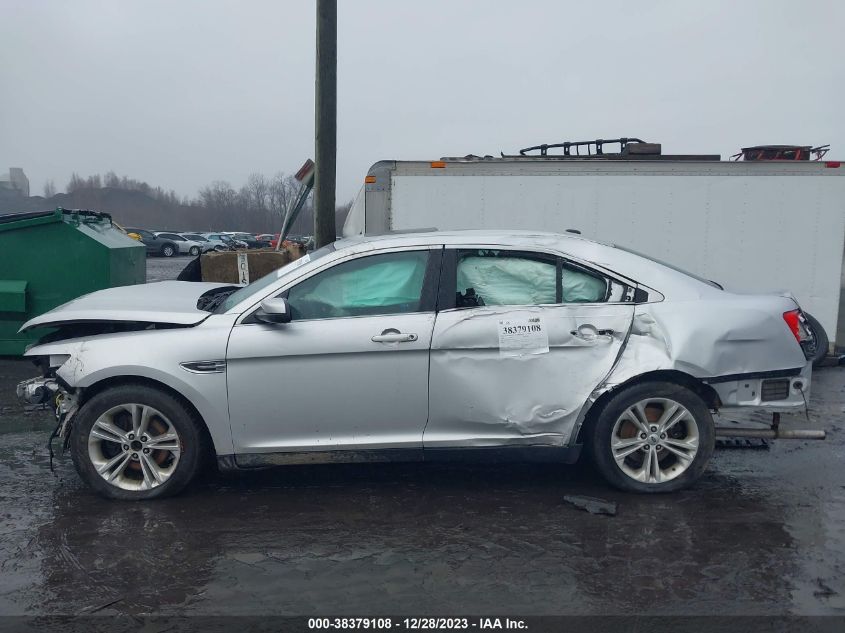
(164, 268)
(762, 533)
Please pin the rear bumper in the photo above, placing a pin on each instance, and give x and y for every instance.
(775, 391)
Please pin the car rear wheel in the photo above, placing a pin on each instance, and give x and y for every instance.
(135, 442)
(195, 250)
(168, 250)
(653, 437)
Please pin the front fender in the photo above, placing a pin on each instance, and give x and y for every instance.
(155, 355)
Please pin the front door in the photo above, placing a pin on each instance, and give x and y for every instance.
(350, 371)
(526, 337)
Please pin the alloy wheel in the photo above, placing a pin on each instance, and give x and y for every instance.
(654, 440)
(134, 447)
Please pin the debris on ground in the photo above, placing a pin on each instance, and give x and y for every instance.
(824, 591)
(592, 504)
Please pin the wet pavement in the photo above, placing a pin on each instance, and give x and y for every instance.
(164, 268)
(762, 533)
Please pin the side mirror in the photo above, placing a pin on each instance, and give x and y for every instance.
(275, 310)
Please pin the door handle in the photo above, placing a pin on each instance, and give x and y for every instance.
(588, 331)
(394, 336)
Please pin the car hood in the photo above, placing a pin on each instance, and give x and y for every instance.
(162, 302)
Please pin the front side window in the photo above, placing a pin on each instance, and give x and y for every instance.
(390, 283)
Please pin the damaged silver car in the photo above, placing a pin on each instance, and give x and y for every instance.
(418, 346)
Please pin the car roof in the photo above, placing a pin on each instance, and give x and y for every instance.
(430, 236)
(623, 262)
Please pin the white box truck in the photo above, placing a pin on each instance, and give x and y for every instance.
(751, 226)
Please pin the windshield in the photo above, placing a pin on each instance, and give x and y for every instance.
(236, 296)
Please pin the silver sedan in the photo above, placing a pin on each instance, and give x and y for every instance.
(467, 344)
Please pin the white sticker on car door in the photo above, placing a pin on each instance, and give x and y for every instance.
(523, 336)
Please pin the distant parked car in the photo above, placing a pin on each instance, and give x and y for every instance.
(225, 239)
(250, 240)
(272, 238)
(156, 245)
(185, 246)
(206, 243)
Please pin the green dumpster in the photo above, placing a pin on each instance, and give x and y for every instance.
(48, 258)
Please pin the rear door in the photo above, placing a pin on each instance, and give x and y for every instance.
(521, 341)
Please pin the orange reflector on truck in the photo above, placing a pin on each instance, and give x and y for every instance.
(438, 164)
(370, 180)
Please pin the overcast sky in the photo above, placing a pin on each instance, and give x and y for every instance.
(180, 93)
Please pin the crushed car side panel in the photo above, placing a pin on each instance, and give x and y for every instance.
(488, 388)
(743, 345)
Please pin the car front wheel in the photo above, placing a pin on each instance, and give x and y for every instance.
(168, 250)
(136, 442)
(653, 437)
(195, 250)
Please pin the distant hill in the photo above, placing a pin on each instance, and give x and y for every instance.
(258, 207)
(137, 209)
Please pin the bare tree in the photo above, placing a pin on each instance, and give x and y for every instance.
(49, 189)
(75, 184)
(111, 180)
(257, 190)
(283, 192)
(219, 195)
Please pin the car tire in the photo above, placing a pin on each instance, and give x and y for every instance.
(132, 467)
(651, 454)
(168, 250)
(822, 341)
(195, 250)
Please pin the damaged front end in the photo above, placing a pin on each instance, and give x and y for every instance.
(50, 390)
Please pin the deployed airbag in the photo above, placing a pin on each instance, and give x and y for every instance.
(362, 286)
(523, 281)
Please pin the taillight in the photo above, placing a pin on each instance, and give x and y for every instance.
(797, 325)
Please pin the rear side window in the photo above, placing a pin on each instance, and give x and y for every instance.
(390, 283)
(582, 286)
(493, 277)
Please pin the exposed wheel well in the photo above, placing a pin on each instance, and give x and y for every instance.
(108, 383)
(703, 390)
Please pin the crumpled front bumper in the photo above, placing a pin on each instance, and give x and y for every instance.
(39, 390)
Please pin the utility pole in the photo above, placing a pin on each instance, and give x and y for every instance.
(325, 105)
